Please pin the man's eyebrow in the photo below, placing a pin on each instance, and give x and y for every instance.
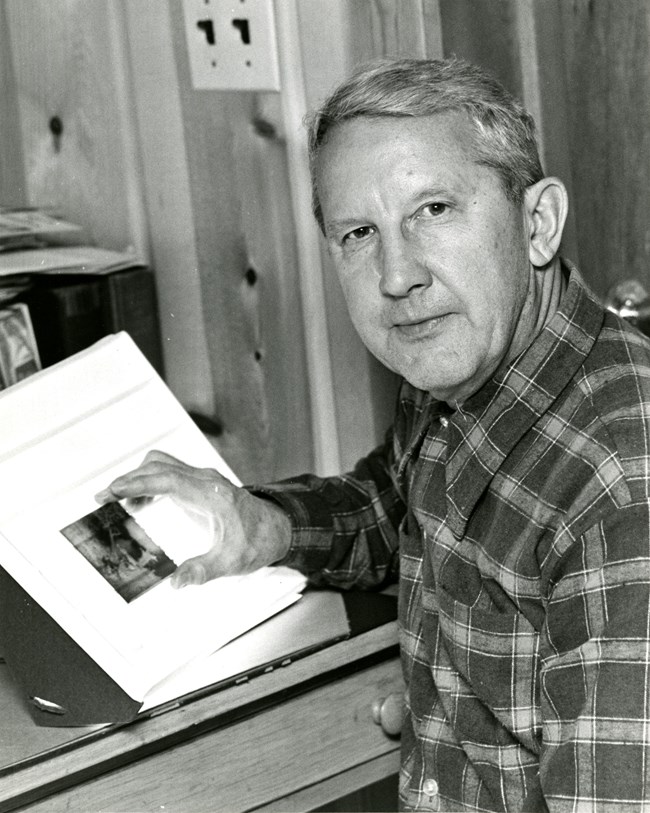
(345, 223)
(433, 192)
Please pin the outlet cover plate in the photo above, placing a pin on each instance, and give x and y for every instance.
(232, 44)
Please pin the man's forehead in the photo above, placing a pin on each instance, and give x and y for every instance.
(456, 122)
(451, 133)
(438, 145)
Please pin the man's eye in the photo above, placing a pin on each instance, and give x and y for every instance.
(358, 234)
(434, 209)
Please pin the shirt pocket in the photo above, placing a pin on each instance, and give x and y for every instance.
(492, 655)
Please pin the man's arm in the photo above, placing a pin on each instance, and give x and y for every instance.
(595, 677)
(339, 531)
(344, 529)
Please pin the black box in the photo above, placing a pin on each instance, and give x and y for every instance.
(70, 311)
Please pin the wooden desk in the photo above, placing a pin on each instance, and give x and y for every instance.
(293, 739)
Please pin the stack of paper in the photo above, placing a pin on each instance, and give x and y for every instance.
(77, 260)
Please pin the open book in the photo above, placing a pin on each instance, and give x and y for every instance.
(102, 572)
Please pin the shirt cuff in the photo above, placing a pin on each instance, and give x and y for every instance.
(312, 525)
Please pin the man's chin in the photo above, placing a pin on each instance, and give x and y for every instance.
(452, 388)
(445, 382)
(440, 389)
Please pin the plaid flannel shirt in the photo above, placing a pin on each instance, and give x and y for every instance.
(522, 526)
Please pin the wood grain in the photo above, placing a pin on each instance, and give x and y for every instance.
(330, 713)
(608, 76)
(64, 68)
(242, 221)
(167, 198)
(484, 32)
(12, 176)
(255, 762)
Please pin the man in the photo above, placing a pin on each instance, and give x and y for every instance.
(512, 492)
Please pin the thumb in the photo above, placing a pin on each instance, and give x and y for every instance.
(191, 571)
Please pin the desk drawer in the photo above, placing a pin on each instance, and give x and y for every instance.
(293, 752)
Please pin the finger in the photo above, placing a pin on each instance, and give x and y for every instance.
(161, 474)
(197, 570)
(150, 480)
(157, 456)
(191, 571)
(150, 464)
(104, 496)
(158, 464)
(202, 568)
(132, 503)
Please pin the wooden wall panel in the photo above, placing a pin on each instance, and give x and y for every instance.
(64, 61)
(248, 274)
(521, 43)
(608, 79)
(384, 28)
(12, 175)
(168, 201)
(540, 37)
(483, 32)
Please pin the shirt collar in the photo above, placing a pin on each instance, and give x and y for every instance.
(489, 425)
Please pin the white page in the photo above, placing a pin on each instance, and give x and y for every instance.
(74, 428)
(319, 617)
(67, 259)
(206, 670)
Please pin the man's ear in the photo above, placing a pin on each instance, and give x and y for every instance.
(546, 204)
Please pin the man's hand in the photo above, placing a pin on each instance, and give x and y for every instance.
(248, 532)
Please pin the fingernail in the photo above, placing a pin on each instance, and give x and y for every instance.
(180, 579)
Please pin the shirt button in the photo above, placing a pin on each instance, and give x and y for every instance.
(430, 787)
(444, 422)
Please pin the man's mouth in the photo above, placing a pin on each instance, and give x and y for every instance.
(420, 328)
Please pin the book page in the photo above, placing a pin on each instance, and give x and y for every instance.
(318, 619)
(103, 572)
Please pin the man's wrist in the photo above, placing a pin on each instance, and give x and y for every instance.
(279, 538)
(267, 526)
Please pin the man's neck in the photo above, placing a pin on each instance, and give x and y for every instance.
(551, 288)
(547, 286)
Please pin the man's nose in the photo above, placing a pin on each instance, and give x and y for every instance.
(402, 270)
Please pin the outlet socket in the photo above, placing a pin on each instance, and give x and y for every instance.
(232, 44)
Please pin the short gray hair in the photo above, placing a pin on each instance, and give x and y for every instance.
(505, 131)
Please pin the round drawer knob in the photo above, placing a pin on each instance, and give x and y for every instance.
(388, 712)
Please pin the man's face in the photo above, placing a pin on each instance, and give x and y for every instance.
(432, 256)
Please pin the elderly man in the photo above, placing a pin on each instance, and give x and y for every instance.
(511, 495)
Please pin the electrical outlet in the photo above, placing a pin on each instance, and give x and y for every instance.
(232, 44)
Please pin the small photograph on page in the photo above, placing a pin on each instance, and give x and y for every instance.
(120, 550)
(18, 352)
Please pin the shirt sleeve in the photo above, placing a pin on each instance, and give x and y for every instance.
(595, 672)
(345, 528)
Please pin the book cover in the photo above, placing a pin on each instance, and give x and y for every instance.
(101, 573)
